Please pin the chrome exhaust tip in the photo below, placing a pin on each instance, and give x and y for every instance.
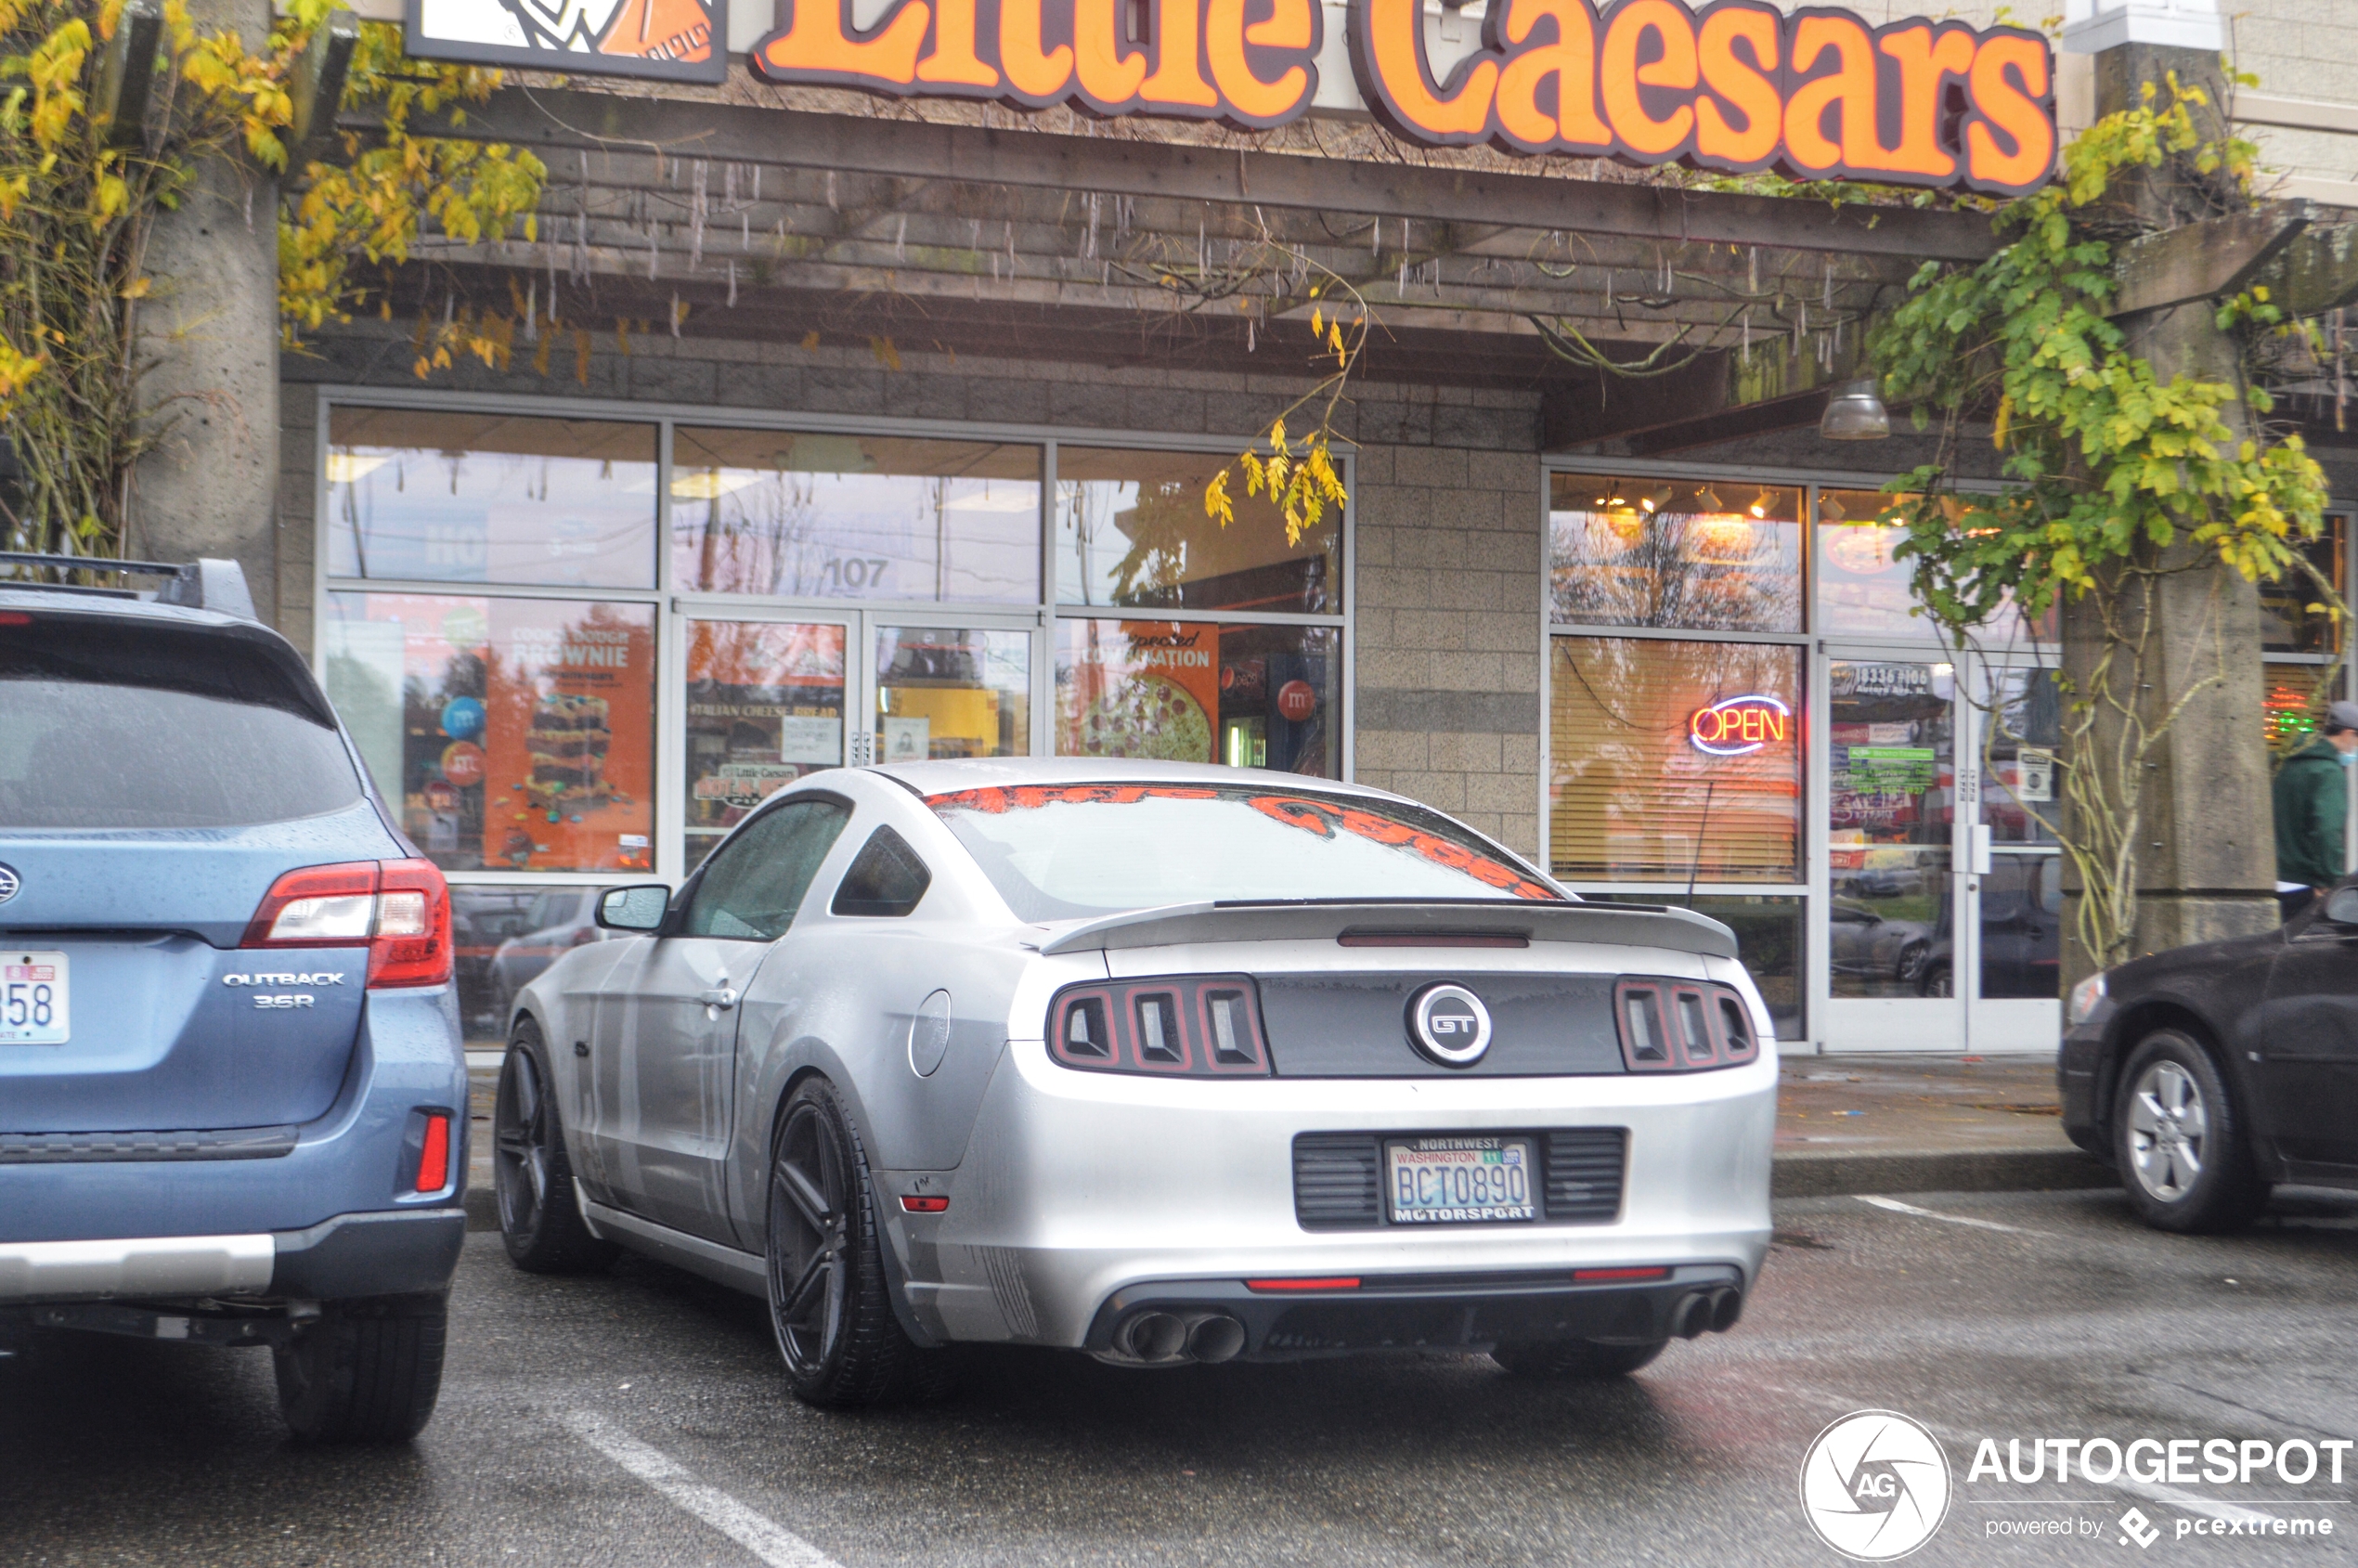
(1216, 1339)
(1154, 1336)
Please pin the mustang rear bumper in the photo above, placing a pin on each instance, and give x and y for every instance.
(1421, 1311)
(1081, 1190)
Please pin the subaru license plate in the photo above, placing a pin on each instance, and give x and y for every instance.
(32, 998)
(1459, 1180)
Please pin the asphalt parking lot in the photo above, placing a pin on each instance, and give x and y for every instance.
(637, 1418)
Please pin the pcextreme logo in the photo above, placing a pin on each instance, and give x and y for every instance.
(1876, 1485)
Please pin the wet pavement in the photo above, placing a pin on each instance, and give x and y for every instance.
(637, 1417)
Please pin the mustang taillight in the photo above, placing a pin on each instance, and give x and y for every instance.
(1681, 1026)
(1200, 1026)
(400, 908)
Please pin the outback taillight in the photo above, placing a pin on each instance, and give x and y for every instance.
(1206, 1026)
(1681, 1026)
(400, 908)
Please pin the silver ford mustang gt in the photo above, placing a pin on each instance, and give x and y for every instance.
(1165, 1063)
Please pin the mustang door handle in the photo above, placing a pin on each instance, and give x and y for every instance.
(724, 997)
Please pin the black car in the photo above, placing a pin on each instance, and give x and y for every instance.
(2207, 1074)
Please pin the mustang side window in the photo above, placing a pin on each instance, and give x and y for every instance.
(754, 884)
(886, 879)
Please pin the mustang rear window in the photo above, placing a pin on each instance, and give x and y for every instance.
(1066, 851)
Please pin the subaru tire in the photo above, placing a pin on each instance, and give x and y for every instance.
(364, 1371)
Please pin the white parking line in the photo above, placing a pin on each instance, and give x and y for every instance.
(1898, 1208)
(759, 1534)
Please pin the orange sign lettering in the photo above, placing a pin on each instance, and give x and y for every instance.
(1734, 85)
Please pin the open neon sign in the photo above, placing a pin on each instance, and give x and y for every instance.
(1739, 726)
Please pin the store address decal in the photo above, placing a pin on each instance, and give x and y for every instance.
(1736, 86)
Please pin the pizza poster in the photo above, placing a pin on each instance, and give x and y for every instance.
(527, 726)
(1138, 689)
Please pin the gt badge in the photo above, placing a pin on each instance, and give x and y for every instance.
(1449, 1024)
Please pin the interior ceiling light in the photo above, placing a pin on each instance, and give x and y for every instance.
(1830, 509)
(1710, 500)
(1855, 414)
(1657, 500)
(1761, 504)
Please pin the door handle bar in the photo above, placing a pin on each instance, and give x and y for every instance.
(726, 996)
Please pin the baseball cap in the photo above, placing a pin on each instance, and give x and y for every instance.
(2341, 716)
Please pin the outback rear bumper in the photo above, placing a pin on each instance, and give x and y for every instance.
(374, 1254)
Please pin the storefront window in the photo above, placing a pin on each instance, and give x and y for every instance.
(1865, 591)
(1257, 696)
(490, 499)
(1675, 760)
(2025, 730)
(854, 516)
(2293, 700)
(506, 934)
(2292, 613)
(511, 734)
(1712, 557)
(1769, 943)
(1890, 753)
(765, 706)
(1130, 531)
(952, 691)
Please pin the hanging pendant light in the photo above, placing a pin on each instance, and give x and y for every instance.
(1855, 414)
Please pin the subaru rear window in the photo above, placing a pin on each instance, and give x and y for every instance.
(115, 725)
(1066, 851)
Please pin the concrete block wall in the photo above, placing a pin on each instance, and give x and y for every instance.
(1447, 505)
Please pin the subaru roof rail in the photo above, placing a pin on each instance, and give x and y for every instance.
(198, 585)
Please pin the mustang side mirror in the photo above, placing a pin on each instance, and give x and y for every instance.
(2341, 906)
(634, 909)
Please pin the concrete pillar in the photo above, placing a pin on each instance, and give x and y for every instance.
(211, 328)
(2207, 846)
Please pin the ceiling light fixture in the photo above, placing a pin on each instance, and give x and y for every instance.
(1855, 414)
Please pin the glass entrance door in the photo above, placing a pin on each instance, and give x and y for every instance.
(2016, 965)
(1893, 901)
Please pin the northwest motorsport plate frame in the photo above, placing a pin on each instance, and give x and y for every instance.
(32, 999)
(1468, 1179)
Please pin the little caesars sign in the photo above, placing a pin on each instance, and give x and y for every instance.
(1737, 85)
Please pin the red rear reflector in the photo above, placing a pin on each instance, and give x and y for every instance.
(1340, 1282)
(15, 617)
(1598, 1276)
(433, 1160)
(917, 1204)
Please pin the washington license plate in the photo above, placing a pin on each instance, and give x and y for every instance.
(32, 999)
(1458, 1181)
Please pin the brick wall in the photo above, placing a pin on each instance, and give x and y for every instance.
(1446, 508)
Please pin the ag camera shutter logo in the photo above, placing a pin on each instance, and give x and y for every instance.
(1449, 1024)
(1876, 1485)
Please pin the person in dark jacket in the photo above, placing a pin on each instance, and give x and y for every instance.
(2312, 804)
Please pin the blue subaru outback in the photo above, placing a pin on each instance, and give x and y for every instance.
(232, 1091)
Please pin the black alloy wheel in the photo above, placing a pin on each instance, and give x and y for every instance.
(539, 1218)
(2178, 1139)
(828, 1301)
(1573, 1359)
(1939, 980)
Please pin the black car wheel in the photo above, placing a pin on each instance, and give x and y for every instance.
(364, 1371)
(1912, 962)
(540, 1217)
(1574, 1359)
(2178, 1139)
(1939, 980)
(828, 1301)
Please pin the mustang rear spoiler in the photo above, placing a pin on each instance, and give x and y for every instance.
(1402, 923)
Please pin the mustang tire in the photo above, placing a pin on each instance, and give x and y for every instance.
(364, 1371)
(1572, 1358)
(2178, 1139)
(829, 1306)
(540, 1219)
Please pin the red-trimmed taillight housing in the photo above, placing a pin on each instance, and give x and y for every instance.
(400, 908)
(1682, 1026)
(1179, 1025)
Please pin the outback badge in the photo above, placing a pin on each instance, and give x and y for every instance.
(1449, 1024)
